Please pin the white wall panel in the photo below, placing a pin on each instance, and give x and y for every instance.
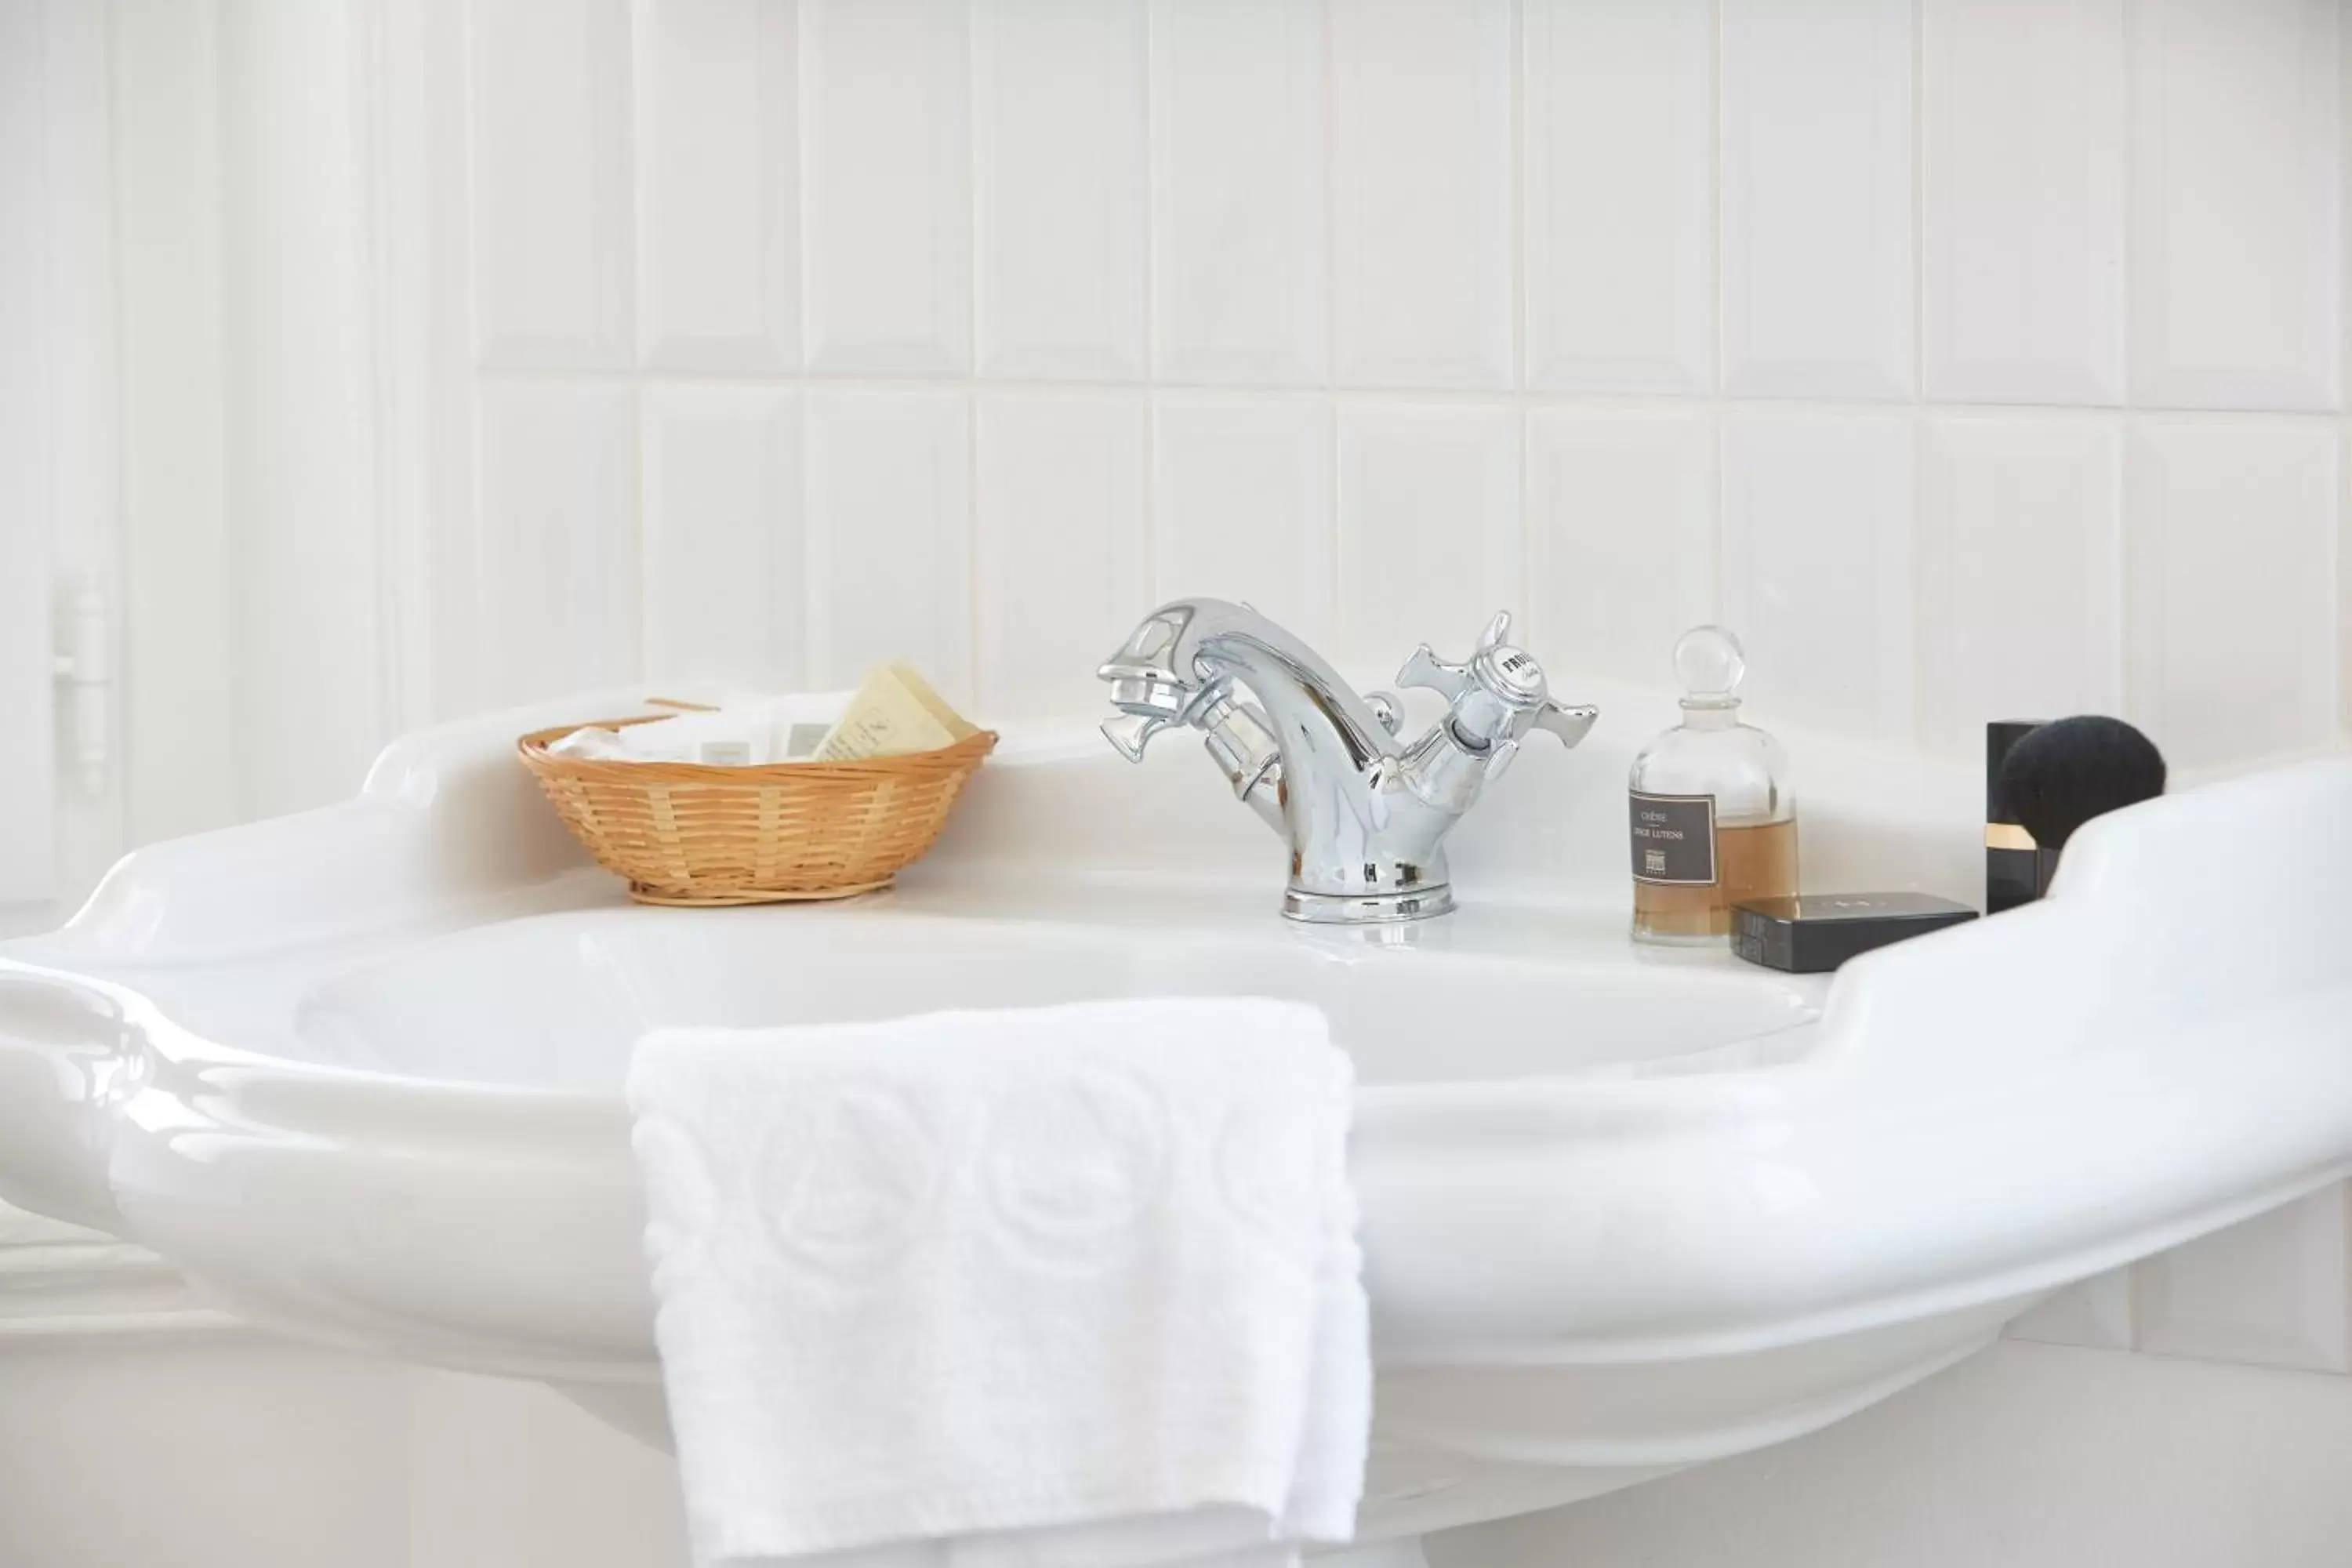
(1816, 198)
(311, 706)
(2270, 1291)
(2020, 573)
(548, 100)
(2236, 188)
(1421, 194)
(723, 578)
(2230, 573)
(2022, 162)
(179, 601)
(1241, 504)
(1620, 195)
(1059, 560)
(27, 581)
(1622, 538)
(889, 518)
(1237, 191)
(2027, 1456)
(886, 115)
(2095, 1314)
(1064, 189)
(718, 185)
(1430, 534)
(1817, 569)
(557, 595)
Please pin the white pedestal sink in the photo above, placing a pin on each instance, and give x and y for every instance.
(357, 1074)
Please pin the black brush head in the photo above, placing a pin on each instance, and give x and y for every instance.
(2067, 772)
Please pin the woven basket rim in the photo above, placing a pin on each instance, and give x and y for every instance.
(533, 750)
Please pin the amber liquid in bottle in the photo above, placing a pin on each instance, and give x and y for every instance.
(1755, 861)
(1711, 820)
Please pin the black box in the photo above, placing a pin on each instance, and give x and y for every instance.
(1817, 932)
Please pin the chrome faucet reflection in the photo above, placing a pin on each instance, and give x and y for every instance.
(1366, 815)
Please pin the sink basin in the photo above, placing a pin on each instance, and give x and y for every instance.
(357, 1074)
(556, 1001)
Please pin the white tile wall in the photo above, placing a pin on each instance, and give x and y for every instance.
(719, 270)
(1972, 357)
(1240, 497)
(1059, 146)
(1429, 527)
(725, 584)
(1061, 561)
(2023, 151)
(1620, 195)
(2095, 1314)
(549, 105)
(556, 590)
(889, 519)
(2270, 1291)
(2231, 648)
(1622, 536)
(2235, 193)
(1239, 177)
(886, 128)
(1421, 194)
(1816, 198)
(2020, 573)
(1817, 565)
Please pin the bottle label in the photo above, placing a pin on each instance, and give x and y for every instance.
(1674, 839)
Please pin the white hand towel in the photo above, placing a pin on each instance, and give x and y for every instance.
(1065, 1287)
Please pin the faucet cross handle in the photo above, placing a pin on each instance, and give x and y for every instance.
(1498, 695)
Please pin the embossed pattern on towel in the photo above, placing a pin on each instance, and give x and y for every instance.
(1016, 1271)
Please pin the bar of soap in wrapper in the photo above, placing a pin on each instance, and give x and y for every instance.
(894, 711)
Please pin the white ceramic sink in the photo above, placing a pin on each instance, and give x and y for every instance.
(357, 1073)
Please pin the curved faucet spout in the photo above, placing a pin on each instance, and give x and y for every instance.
(1180, 656)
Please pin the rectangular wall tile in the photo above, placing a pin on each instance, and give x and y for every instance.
(2235, 195)
(1059, 553)
(548, 91)
(1620, 195)
(1421, 212)
(1817, 569)
(2269, 1291)
(723, 580)
(2095, 1314)
(1241, 504)
(1622, 538)
(885, 120)
(1064, 192)
(1817, 252)
(890, 520)
(1430, 534)
(2230, 609)
(29, 448)
(557, 595)
(2020, 573)
(2023, 183)
(718, 266)
(1237, 191)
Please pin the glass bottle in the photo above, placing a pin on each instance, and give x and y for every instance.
(1712, 821)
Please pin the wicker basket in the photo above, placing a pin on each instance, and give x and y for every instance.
(697, 835)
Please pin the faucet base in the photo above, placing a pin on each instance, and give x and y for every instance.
(1366, 909)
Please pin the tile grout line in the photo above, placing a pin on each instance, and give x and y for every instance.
(1913, 591)
(974, 567)
(1719, 431)
(1517, 86)
(1149, 101)
(1628, 401)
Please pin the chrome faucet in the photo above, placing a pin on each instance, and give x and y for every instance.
(1366, 815)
